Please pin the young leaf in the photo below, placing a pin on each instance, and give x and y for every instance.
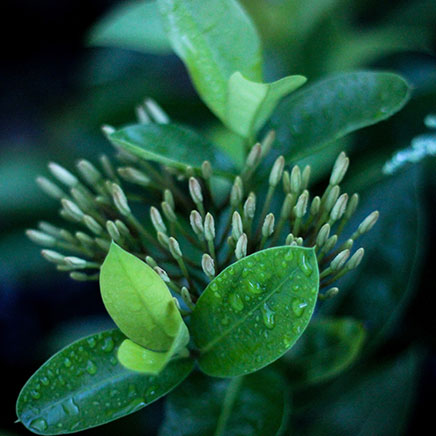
(214, 38)
(139, 302)
(169, 144)
(84, 385)
(249, 104)
(253, 405)
(133, 25)
(328, 110)
(327, 348)
(255, 310)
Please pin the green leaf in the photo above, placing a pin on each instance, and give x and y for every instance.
(255, 310)
(250, 104)
(172, 145)
(328, 347)
(84, 385)
(214, 38)
(140, 303)
(133, 25)
(254, 405)
(319, 114)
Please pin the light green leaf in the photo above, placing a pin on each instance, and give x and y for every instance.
(254, 405)
(255, 310)
(214, 38)
(328, 347)
(314, 117)
(133, 25)
(172, 145)
(139, 302)
(249, 104)
(84, 385)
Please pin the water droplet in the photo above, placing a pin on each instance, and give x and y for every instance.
(108, 345)
(113, 360)
(236, 302)
(298, 307)
(35, 394)
(91, 342)
(305, 266)
(70, 407)
(131, 392)
(61, 380)
(287, 341)
(289, 255)
(254, 288)
(39, 424)
(225, 320)
(91, 367)
(150, 393)
(268, 316)
(67, 362)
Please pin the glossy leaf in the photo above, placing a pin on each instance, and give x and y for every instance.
(214, 38)
(314, 117)
(327, 348)
(169, 144)
(379, 289)
(253, 405)
(255, 310)
(139, 302)
(84, 385)
(133, 25)
(249, 104)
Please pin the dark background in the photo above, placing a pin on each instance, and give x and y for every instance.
(54, 96)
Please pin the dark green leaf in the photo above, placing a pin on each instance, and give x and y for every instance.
(169, 144)
(84, 385)
(328, 110)
(327, 347)
(133, 25)
(254, 405)
(214, 38)
(255, 310)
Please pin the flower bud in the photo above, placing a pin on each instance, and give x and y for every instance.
(157, 221)
(195, 190)
(268, 225)
(208, 265)
(277, 171)
(339, 169)
(339, 261)
(50, 188)
(120, 200)
(237, 227)
(63, 175)
(209, 227)
(241, 247)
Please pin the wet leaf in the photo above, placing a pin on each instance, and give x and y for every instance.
(255, 310)
(327, 348)
(253, 405)
(140, 303)
(84, 385)
(249, 104)
(133, 25)
(169, 144)
(314, 117)
(213, 46)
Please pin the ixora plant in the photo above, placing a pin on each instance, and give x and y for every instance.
(209, 266)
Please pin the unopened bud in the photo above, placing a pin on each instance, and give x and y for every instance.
(122, 228)
(133, 175)
(305, 177)
(196, 223)
(237, 192)
(120, 200)
(195, 190)
(49, 229)
(41, 238)
(339, 261)
(332, 292)
(277, 171)
(255, 156)
(89, 172)
(157, 221)
(157, 113)
(268, 225)
(330, 243)
(107, 129)
(267, 142)
(332, 197)
(50, 188)
(287, 206)
(301, 207)
(169, 198)
(168, 212)
(241, 247)
(75, 262)
(63, 175)
(315, 206)
(355, 259)
(150, 261)
(174, 247)
(162, 274)
(92, 224)
(339, 169)
(338, 209)
(206, 170)
(82, 200)
(107, 167)
(289, 239)
(104, 244)
(237, 227)
(286, 182)
(352, 206)
(113, 231)
(209, 227)
(368, 223)
(186, 297)
(85, 239)
(295, 179)
(208, 265)
(250, 206)
(53, 257)
(163, 239)
(72, 210)
(323, 235)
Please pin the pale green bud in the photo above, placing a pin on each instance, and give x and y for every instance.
(323, 235)
(120, 200)
(162, 274)
(168, 212)
(267, 142)
(237, 192)
(107, 167)
(277, 171)
(132, 175)
(104, 244)
(89, 172)
(368, 223)
(49, 229)
(289, 239)
(163, 239)
(286, 182)
(53, 257)
(295, 179)
(315, 206)
(268, 225)
(254, 156)
(169, 198)
(92, 224)
(332, 197)
(142, 116)
(122, 228)
(332, 292)
(356, 259)
(330, 243)
(339, 261)
(157, 221)
(63, 175)
(237, 227)
(75, 262)
(241, 247)
(206, 170)
(339, 169)
(195, 190)
(150, 261)
(250, 206)
(301, 207)
(107, 129)
(339, 207)
(113, 231)
(305, 177)
(50, 188)
(208, 265)
(84, 239)
(209, 227)
(156, 112)
(82, 200)
(174, 247)
(352, 206)
(196, 223)
(72, 210)
(186, 297)
(287, 206)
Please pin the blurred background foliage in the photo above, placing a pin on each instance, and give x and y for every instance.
(67, 72)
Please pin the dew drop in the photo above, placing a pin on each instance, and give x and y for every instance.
(287, 341)
(39, 424)
(254, 288)
(70, 407)
(289, 255)
(91, 342)
(268, 316)
(150, 393)
(298, 307)
(113, 360)
(108, 345)
(305, 266)
(91, 367)
(35, 394)
(236, 302)
(67, 362)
